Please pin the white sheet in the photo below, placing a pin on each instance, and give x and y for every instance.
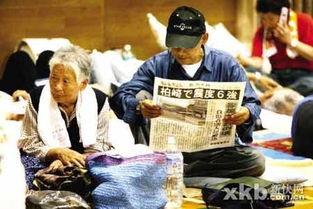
(12, 174)
(276, 122)
(34, 46)
(289, 171)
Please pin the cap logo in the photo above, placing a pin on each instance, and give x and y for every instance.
(182, 26)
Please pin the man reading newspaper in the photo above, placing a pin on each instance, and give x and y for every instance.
(188, 59)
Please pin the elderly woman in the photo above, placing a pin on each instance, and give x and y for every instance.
(66, 119)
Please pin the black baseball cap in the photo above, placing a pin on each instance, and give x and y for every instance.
(185, 27)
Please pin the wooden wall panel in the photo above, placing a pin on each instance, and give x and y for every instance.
(246, 21)
(126, 22)
(79, 21)
(98, 24)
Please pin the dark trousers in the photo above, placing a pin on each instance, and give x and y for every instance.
(228, 162)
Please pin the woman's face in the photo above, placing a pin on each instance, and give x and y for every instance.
(269, 20)
(63, 85)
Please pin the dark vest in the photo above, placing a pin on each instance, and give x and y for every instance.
(73, 129)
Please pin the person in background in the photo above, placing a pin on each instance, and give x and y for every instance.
(189, 59)
(19, 73)
(301, 129)
(66, 119)
(42, 64)
(262, 81)
(280, 100)
(273, 96)
(287, 43)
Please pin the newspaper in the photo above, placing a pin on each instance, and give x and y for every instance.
(193, 113)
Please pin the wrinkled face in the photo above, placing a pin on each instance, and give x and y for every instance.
(63, 85)
(269, 20)
(188, 56)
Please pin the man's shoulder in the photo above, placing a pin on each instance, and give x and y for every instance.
(158, 62)
(217, 54)
(162, 55)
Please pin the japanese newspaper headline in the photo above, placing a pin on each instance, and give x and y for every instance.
(193, 113)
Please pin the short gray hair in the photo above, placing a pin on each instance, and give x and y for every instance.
(75, 58)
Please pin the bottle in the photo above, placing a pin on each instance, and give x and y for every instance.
(127, 53)
(174, 181)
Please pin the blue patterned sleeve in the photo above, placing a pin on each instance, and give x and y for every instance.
(250, 101)
(124, 101)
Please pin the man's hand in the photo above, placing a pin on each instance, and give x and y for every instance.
(66, 156)
(239, 117)
(149, 110)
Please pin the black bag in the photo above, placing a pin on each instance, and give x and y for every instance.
(50, 199)
(246, 193)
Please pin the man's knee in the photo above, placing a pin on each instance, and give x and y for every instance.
(259, 163)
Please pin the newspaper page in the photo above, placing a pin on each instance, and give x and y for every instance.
(193, 113)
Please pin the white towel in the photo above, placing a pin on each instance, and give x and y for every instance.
(51, 125)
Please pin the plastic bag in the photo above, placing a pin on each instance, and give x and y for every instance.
(50, 199)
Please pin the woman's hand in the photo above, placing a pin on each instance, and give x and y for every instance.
(55, 165)
(20, 94)
(66, 156)
(282, 32)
